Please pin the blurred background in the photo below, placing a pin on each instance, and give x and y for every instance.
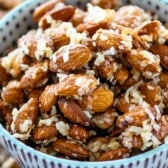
(6, 161)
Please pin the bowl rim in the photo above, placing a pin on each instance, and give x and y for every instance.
(4, 133)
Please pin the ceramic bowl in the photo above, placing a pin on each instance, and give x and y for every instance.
(17, 23)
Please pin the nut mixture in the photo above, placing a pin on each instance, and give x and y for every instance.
(88, 85)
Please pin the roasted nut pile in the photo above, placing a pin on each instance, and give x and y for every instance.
(88, 85)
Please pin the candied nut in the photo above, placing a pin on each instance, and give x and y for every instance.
(5, 109)
(105, 39)
(115, 154)
(122, 105)
(78, 133)
(73, 112)
(105, 120)
(163, 80)
(135, 116)
(35, 93)
(151, 92)
(36, 46)
(70, 148)
(143, 60)
(44, 8)
(70, 57)
(97, 101)
(78, 17)
(47, 98)
(106, 68)
(162, 51)
(137, 142)
(106, 4)
(44, 133)
(121, 74)
(27, 116)
(34, 76)
(64, 14)
(4, 76)
(13, 93)
(163, 130)
(131, 16)
(8, 4)
(76, 85)
(91, 28)
(58, 37)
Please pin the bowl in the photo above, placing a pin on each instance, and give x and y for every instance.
(19, 21)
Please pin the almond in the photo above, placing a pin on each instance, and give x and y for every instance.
(44, 8)
(64, 14)
(34, 75)
(13, 93)
(28, 112)
(162, 51)
(70, 148)
(151, 92)
(44, 133)
(70, 57)
(97, 101)
(78, 133)
(47, 98)
(114, 154)
(163, 82)
(73, 112)
(76, 85)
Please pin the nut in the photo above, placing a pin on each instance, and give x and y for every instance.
(97, 101)
(44, 8)
(163, 82)
(70, 57)
(64, 14)
(73, 112)
(76, 85)
(47, 98)
(70, 148)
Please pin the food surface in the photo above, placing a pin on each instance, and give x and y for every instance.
(89, 85)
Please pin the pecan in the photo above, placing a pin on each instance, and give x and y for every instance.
(78, 133)
(76, 85)
(70, 57)
(151, 92)
(105, 120)
(47, 98)
(13, 93)
(73, 112)
(162, 51)
(115, 154)
(98, 101)
(27, 116)
(34, 75)
(44, 133)
(64, 14)
(70, 148)
(44, 8)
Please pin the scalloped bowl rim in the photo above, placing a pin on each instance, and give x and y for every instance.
(20, 144)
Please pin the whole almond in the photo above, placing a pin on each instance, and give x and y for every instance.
(13, 93)
(47, 98)
(44, 133)
(28, 112)
(70, 148)
(70, 57)
(97, 101)
(162, 51)
(64, 14)
(76, 85)
(151, 93)
(73, 112)
(44, 8)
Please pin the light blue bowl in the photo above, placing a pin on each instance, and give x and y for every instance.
(17, 23)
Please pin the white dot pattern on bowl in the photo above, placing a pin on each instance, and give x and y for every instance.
(29, 158)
